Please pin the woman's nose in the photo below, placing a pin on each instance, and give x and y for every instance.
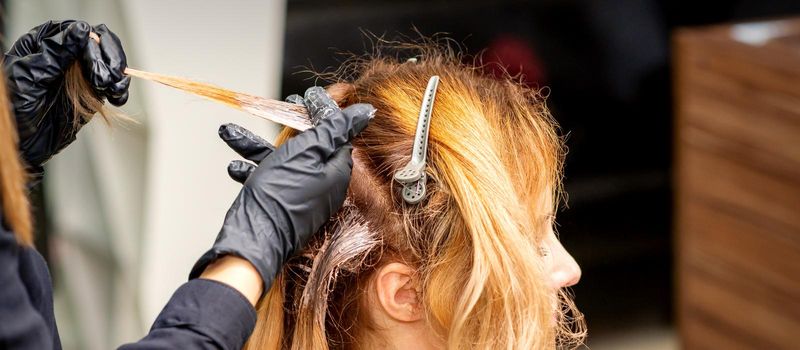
(565, 271)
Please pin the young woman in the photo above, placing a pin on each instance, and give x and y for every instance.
(474, 265)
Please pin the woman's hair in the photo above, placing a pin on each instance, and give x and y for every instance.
(85, 102)
(16, 209)
(494, 173)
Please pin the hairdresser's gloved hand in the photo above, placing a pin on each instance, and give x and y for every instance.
(35, 68)
(292, 191)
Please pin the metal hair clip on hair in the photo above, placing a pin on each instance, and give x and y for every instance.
(412, 175)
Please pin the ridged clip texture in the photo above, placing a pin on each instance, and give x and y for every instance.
(413, 176)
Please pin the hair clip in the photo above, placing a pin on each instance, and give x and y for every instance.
(412, 175)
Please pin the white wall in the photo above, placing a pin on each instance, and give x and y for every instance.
(133, 207)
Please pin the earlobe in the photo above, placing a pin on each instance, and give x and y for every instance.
(397, 291)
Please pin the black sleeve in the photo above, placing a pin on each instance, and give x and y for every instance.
(202, 314)
(21, 325)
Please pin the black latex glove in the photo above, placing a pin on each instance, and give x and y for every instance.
(35, 67)
(294, 189)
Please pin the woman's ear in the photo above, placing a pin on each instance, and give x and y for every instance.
(398, 292)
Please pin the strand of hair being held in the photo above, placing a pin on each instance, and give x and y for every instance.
(86, 103)
(289, 114)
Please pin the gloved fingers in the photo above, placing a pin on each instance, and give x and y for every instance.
(342, 161)
(113, 53)
(96, 72)
(36, 65)
(320, 105)
(48, 50)
(359, 115)
(29, 43)
(105, 64)
(340, 168)
(247, 144)
(323, 140)
(239, 170)
(63, 48)
(296, 99)
(25, 44)
(119, 99)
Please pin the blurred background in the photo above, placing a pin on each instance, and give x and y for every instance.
(652, 97)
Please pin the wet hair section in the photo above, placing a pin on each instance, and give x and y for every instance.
(345, 248)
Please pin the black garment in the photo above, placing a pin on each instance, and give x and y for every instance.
(26, 298)
(202, 314)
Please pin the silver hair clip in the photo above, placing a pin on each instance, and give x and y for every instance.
(412, 175)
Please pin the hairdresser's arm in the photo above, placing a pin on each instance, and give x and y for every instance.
(202, 314)
(35, 68)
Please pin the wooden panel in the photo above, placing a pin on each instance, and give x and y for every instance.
(737, 179)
